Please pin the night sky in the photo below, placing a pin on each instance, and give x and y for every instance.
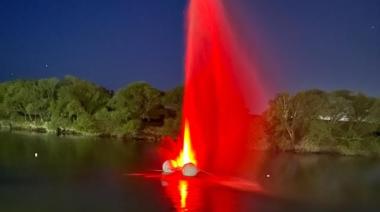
(327, 44)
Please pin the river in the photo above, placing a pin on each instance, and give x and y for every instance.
(49, 173)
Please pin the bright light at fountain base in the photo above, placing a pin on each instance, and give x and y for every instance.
(188, 170)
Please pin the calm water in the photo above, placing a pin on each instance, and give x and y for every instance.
(46, 173)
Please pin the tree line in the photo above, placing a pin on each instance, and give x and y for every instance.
(75, 106)
(340, 121)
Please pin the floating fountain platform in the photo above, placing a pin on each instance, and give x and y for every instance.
(187, 170)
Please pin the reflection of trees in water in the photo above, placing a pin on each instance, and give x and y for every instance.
(324, 178)
(62, 156)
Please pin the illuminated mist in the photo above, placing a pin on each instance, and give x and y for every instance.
(219, 81)
(217, 76)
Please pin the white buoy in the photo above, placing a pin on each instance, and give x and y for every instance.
(168, 167)
(190, 170)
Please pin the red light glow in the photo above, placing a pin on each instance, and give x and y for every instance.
(217, 78)
(187, 154)
(219, 83)
(183, 186)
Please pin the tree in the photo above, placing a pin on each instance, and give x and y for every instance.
(357, 112)
(76, 105)
(348, 121)
(374, 114)
(4, 110)
(173, 98)
(172, 102)
(279, 117)
(137, 100)
(17, 99)
(289, 117)
(77, 102)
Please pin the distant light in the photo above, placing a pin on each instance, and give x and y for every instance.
(35, 154)
(267, 175)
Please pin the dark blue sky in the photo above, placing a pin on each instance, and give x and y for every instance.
(328, 44)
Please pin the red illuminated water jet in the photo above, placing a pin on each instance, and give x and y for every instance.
(216, 116)
(217, 77)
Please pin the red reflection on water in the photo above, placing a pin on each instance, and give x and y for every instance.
(184, 193)
(183, 187)
(206, 193)
(203, 193)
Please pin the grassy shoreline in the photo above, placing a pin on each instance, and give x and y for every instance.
(43, 129)
(310, 148)
(146, 135)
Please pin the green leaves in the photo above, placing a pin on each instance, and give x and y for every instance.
(339, 118)
(137, 100)
(80, 106)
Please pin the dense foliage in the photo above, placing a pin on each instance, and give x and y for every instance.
(341, 121)
(76, 106)
(316, 121)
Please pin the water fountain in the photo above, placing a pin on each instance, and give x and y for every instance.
(215, 112)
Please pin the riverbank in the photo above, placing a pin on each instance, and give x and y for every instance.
(150, 134)
(371, 149)
(42, 128)
(303, 147)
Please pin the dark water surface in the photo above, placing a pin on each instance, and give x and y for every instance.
(46, 173)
